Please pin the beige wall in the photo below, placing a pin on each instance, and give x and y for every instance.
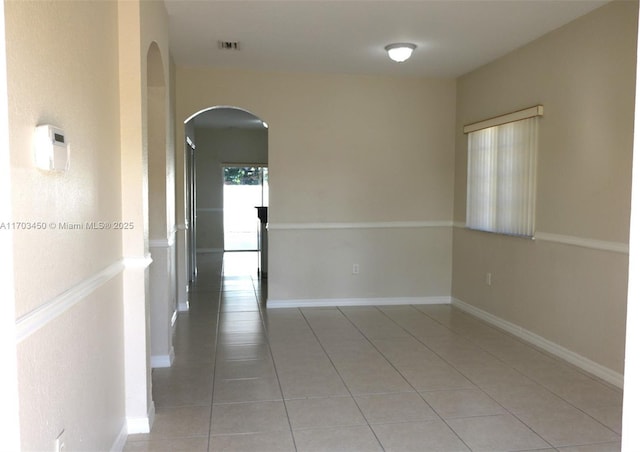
(47, 88)
(215, 147)
(63, 69)
(574, 296)
(8, 352)
(143, 25)
(81, 295)
(355, 150)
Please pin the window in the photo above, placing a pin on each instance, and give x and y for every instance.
(501, 173)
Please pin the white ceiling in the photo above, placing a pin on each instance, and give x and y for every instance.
(453, 36)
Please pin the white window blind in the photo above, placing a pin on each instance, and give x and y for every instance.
(501, 178)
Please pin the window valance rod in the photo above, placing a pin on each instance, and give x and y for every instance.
(519, 115)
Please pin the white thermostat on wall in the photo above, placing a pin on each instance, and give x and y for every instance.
(51, 148)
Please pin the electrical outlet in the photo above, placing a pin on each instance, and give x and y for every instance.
(356, 269)
(60, 444)
(487, 279)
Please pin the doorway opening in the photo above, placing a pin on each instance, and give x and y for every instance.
(216, 138)
(245, 188)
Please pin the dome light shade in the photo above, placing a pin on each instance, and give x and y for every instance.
(400, 52)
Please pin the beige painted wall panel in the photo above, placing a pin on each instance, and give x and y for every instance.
(171, 169)
(134, 172)
(394, 262)
(584, 76)
(77, 385)
(210, 230)
(208, 179)
(570, 295)
(345, 148)
(235, 145)
(216, 147)
(342, 147)
(161, 301)
(63, 70)
(157, 158)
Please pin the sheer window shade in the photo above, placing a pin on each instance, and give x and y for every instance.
(501, 178)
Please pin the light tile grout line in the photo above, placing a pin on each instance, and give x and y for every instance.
(537, 383)
(273, 361)
(266, 336)
(400, 373)
(215, 350)
(262, 314)
(497, 358)
(340, 375)
(215, 353)
(520, 340)
(458, 370)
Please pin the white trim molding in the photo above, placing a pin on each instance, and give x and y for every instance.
(594, 244)
(615, 247)
(121, 440)
(164, 243)
(160, 361)
(339, 302)
(183, 305)
(137, 262)
(367, 225)
(31, 322)
(161, 243)
(141, 424)
(580, 361)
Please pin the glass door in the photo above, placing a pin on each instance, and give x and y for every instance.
(245, 188)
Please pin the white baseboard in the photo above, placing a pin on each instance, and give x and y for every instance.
(183, 305)
(158, 361)
(141, 424)
(580, 361)
(335, 302)
(121, 439)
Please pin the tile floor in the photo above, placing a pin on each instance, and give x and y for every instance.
(396, 378)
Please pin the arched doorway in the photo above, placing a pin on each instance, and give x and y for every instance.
(218, 138)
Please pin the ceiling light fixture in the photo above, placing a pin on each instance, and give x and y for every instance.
(401, 51)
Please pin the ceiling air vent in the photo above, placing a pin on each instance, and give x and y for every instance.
(229, 45)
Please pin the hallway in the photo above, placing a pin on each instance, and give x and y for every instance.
(395, 378)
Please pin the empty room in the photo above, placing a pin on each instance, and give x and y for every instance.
(319, 225)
